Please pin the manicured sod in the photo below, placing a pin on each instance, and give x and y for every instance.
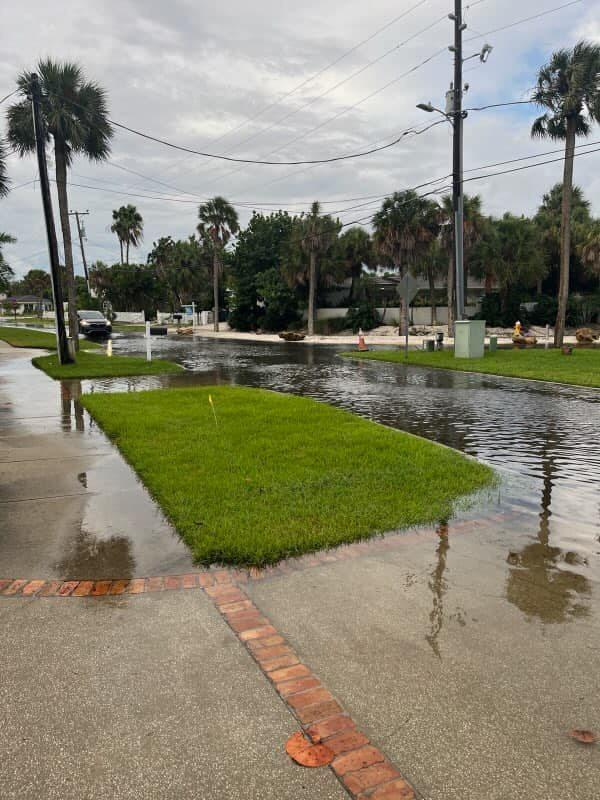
(268, 476)
(580, 369)
(25, 337)
(91, 365)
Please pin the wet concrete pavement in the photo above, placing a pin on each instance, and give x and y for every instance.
(70, 506)
(469, 674)
(148, 697)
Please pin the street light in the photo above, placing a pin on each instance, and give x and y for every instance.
(456, 115)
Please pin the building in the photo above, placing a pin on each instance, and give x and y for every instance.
(26, 305)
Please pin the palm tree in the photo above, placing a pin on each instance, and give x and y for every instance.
(128, 224)
(356, 249)
(569, 89)
(404, 229)
(589, 249)
(75, 116)
(473, 225)
(316, 235)
(218, 223)
(6, 272)
(4, 181)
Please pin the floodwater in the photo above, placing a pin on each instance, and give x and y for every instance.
(542, 438)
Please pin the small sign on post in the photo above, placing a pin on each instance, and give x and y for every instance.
(408, 289)
(148, 343)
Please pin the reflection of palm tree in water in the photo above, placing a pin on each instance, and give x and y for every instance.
(536, 583)
(438, 587)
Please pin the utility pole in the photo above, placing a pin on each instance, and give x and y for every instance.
(62, 344)
(81, 232)
(457, 167)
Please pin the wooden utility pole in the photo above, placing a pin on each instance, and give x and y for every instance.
(81, 232)
(62, 344)
(457, 168)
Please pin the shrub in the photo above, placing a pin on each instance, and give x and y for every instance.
(280, 305)
(364, 316)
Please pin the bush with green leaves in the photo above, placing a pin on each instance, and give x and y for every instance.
(280, 307)
(364, 316)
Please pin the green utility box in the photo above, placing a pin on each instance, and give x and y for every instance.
(493, 344)
(469, 338)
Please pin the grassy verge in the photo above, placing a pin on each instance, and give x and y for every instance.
(25, 337)
(92, 365)
(266, 476)
(580, 369)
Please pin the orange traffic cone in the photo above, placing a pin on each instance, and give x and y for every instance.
(361, 342)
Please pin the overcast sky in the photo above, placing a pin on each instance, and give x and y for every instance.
(192, 71)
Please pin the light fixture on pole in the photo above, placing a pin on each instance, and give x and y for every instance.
(455, 115)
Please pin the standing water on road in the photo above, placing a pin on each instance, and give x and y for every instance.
(543, 438)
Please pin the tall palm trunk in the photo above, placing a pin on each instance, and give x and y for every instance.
(450, 284)
(432, 297)
(216, 267)
(127, 252)
(121, 246)
(312, 292)
(63, 206)
(565, 235)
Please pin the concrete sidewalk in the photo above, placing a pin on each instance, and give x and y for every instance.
(141, 697)
(70, 506)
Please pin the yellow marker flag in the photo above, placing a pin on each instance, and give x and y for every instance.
(212, 405)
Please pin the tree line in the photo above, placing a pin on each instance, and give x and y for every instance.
(557, 250)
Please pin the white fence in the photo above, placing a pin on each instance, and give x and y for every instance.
(136, 317)
(420, 315)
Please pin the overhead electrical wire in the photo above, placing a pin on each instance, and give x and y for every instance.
(405, 74)
(322, 71)
(250, 205)
(539, 15)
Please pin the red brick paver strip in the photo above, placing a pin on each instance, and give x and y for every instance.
(84, 589)
(32, 588)
(67, 588)
(361, 767)
(119, 587)
(14, 588)
(101, 588)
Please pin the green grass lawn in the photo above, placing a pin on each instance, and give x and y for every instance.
(581, 369)
(92, 365)
(25, 337)
(268, 476)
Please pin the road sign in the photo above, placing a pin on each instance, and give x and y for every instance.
(409, 287)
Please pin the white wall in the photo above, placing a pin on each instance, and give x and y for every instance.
(419, 315)
(130, 316)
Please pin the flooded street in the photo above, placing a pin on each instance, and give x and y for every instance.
(468, 652)
(543, 438)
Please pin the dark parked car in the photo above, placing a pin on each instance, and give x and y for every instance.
(93, 323)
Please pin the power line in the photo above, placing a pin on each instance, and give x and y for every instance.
(348, 108)
(8, 96)
(403, 75)
(318, 74)
(267, 205)
(337, 85)
(525, 19)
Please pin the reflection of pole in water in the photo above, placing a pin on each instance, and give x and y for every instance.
(437, 584)
(70, 391)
